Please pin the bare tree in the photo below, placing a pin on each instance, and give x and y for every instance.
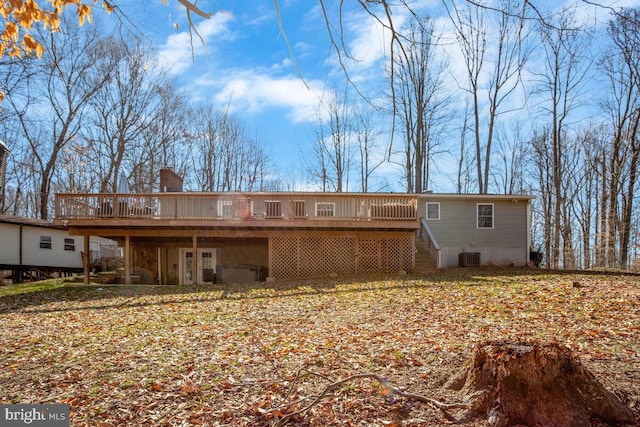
(122, 110)
(465, 159)
(542, 161)
(224, 158)
(420, 100)
(332, 147)
(560, 85)
(499, 58)
(586, 207)
(511, 155)
(366, 135)
(50, 106)
(622, 65)
(164, 142)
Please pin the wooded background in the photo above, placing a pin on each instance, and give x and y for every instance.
(543, 105)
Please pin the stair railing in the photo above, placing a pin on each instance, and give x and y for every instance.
(429, 239)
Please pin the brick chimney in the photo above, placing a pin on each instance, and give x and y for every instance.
(170, 181)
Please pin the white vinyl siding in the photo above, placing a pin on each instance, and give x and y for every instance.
(458, 225)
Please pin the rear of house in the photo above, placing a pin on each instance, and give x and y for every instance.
(478, 229)
(176, 237)
(194, 237)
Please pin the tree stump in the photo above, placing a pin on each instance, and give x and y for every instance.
(532, 384)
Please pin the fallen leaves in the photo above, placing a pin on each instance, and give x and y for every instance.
(231, 355)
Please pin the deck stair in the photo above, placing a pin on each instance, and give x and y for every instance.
(424, 261)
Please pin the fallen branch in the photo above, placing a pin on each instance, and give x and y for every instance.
(389, 391)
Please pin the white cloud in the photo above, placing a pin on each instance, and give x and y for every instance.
(256, 92)
(598, 13)
(369, 42)
(175, 56)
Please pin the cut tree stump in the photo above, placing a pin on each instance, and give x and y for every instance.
(534, 384)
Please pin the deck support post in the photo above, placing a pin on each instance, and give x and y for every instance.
(127, 259)
(85, 260)
(195, 259)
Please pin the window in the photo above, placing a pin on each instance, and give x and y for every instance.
(69, 244)
(485, 215)
(45, 242)
(433, 210)
(325, 209)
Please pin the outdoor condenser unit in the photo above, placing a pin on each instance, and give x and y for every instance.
(469, 259)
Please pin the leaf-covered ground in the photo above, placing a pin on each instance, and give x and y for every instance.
(249, 355)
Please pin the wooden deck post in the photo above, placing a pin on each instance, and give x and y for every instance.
(85, 260)
(127, 259)
(195, 259)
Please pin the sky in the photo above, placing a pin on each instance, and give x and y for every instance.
(274, 87)
(245, 65)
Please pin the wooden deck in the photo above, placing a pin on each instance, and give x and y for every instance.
(174, 213)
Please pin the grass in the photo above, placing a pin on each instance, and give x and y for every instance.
(216, 355)
(31, 287)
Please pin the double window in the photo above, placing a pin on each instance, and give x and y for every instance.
(485, 215)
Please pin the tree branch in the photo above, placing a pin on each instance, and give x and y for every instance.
(388, 391)
(193, 8)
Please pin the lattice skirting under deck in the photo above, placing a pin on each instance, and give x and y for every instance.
(145, 263)
(319, 253)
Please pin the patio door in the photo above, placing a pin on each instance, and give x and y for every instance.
(206, 266)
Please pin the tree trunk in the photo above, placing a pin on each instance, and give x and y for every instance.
(537, 385)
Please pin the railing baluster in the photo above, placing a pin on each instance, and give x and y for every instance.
(185, 206)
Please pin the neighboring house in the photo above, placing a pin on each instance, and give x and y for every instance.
(246, 237)
(33, 248)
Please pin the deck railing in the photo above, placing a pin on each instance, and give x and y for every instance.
(237, 206)
(432, 244)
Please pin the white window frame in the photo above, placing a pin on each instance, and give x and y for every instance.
(46, 242)
(427, 211)
(332, 209)
(493, 216)
(69, 244)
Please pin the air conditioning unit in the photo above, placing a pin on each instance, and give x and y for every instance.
(469, 259)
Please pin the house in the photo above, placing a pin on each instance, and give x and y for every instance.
(34, 248)
(175, 237)
(472, 229)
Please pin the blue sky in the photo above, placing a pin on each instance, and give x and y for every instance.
(245, 64)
